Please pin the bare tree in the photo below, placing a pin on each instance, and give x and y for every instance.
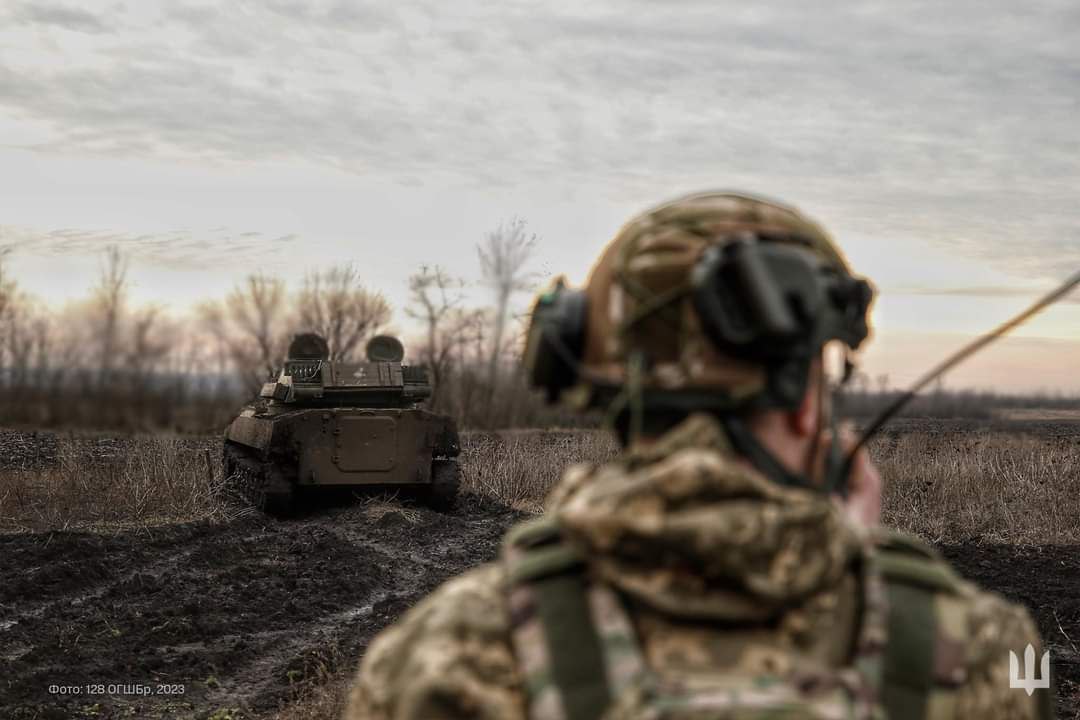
(504, 254)
(7, 285)
(107, 304)
(249, 326)
(25, 351)
(148, 346)
(19, 343)
(257, 310)
(435, 300)
(336, 305)
(8, 292)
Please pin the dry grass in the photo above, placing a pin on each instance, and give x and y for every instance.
(325, 688)
(519, 467)
(989, 487)
(70, 482)
(954, 487)
(377, 506)
(319, 702)
(948, 487)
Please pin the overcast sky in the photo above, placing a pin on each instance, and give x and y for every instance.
(940, 142)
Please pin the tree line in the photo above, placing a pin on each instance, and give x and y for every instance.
(106, 362)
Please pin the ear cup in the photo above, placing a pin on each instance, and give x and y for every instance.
(758, 301)
(556, 340)
(852, 296)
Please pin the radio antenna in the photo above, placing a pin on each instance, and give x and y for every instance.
(955, 359)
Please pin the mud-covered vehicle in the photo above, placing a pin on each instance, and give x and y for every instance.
(326, 424)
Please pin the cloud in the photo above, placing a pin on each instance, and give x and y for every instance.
(59, 16)
(173, 250)
(953, 122)
(986, 291)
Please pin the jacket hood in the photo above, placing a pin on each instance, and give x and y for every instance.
(686, 527)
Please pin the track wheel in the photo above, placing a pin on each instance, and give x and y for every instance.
(445, 484)
(257, 483)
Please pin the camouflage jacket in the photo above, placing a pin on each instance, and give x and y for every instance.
(706, 581)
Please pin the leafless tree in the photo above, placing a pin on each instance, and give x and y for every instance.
(435, 301)
(504, 254)
(249, 326)
(27, 374)
(7, 285)
(336, 305)
(148, 346)
(8, 292)
(47, 372)
(107, 306)
(17, 340)
(20, 343)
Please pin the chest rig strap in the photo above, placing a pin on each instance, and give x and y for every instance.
(925, 661)
(573, 639)
(578, 649)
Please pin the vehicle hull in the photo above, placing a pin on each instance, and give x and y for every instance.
(315, 447)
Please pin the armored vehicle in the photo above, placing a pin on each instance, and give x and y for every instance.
(327, 424)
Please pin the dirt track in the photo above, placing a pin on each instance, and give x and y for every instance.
(239, 616)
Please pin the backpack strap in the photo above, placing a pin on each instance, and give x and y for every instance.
(577, 648)
(554, 633)
(925, 654)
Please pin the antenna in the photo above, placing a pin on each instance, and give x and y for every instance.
(955, 359)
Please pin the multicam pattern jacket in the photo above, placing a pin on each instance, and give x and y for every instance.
(702, 591)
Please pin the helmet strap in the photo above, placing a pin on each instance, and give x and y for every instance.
(630, 399)
(817, 456)
(834, 469)
(746, 444)
(837, 467)
(635, 388)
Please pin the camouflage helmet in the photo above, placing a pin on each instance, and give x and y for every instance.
(671, 308)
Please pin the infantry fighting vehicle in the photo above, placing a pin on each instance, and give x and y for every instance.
(327, 424)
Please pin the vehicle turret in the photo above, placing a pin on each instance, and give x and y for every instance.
(310, 379)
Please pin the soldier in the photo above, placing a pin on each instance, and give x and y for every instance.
(728, 564)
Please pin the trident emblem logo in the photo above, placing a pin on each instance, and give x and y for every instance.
(1028, 681)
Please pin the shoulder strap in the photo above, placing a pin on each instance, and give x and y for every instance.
(927, 631)
(923, 664)
(568, 680)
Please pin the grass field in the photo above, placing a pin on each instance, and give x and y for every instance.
(948, 486)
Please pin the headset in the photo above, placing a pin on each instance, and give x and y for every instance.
(763, 299)
(767, 302)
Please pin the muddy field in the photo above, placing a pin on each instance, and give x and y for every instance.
(232, 619)
(238, 619)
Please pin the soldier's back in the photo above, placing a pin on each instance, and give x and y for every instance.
(685, 585)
